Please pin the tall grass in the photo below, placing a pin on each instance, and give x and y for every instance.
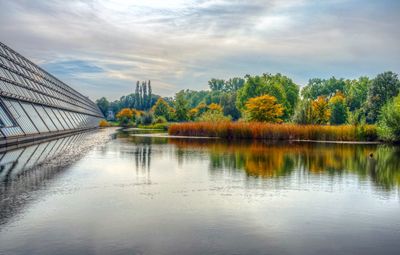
(267, 131)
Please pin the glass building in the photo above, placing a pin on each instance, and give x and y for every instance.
(35, 105)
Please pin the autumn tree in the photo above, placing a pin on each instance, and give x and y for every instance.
(193, 113)
(202, 109)
(125, 116)
(320, 109)
(264, 108)
(215, 107)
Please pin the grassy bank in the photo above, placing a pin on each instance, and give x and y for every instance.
(256, 130)
(159, 126)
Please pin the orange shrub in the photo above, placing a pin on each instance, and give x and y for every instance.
(269, 131)
(126, 112)
(104, 123)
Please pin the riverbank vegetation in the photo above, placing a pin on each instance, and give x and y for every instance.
(269, 131)
(272, 106)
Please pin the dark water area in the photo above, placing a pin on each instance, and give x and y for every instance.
(89, 194)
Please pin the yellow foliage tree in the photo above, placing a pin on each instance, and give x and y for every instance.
(321, 112)
(125, 116)
(125, 112)
(193, 113)
(264, 109)
(215, 107)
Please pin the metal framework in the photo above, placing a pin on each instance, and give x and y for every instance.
(35, 104)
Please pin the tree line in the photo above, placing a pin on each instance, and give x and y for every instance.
(142, 99)
(275, 98)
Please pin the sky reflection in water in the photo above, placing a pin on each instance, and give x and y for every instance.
(178, 196)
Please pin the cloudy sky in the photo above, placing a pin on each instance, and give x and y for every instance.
(102, 47)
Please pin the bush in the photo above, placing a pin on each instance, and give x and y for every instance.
(160, 119)
(160, 126)
(213, 117)
(163, 126)
(146, 118)
(389, 121)
(104, 123)
(125, 117)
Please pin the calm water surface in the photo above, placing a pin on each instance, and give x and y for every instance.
(154, 195)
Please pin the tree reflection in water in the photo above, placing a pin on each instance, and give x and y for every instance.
(380, 163)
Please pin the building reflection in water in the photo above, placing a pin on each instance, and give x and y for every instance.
(28, 169)
(14, 163)
(380, 163)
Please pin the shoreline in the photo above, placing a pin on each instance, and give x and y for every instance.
(166, 135)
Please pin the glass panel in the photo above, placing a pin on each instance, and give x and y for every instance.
(60, 118)
(34, 116)
(12, 131)
(45, 117)
(67, 120)
(5, 120)
(20, 116)
(78, 120)
(72, 119)
(53, 118)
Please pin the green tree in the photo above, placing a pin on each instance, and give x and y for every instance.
(383, 88)
(137, 97)
(356, 92)
(320, 87)
(338, 109)
(181, 106)
(233, 84)
(103, 104)
(279, 86)
(389, 120)
(228, 103)
(303, 113)
(149, 95)
(264, 108)
(162, 109)
(216, 84)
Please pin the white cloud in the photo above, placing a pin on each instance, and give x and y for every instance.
(181, 44)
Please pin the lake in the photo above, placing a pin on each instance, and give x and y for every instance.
(89, 194)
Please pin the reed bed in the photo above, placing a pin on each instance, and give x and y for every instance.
(268, 131)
